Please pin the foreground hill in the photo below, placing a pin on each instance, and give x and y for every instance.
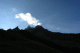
(36, 40)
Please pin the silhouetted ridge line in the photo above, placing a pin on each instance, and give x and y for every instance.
(30, 36)
(16, 29)
(41, 35)
(45, 37)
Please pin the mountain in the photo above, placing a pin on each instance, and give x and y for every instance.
(27, 28)
(38, 40)
(64, 39)
(30, 29)
(16, 29)
(38, 27)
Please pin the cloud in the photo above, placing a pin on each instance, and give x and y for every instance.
(14, 9)
(27, 17)
(58, 28)
(16, 16)
(49, 26)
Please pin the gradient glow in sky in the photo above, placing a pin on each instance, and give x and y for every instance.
(55, 15)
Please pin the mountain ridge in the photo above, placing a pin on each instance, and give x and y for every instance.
(43, 36)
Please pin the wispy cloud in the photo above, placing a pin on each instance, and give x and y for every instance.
(27, 17)
(58, 28)
(14, 9)
(51, 26)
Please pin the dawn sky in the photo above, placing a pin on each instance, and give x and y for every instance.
(55, 15)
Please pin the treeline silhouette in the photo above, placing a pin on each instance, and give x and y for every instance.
(27, 41)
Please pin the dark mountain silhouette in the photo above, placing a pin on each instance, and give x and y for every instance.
(16, 29)
(39, 27)
(30, 29)
(38, 40)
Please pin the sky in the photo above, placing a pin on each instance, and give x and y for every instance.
(55, 15)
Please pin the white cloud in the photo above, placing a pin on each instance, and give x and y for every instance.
(16, 16)
(27, 17)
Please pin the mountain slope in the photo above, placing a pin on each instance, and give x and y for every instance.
(37, 40)
(13, 42)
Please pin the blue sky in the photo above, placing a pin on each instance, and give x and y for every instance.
(55, 15)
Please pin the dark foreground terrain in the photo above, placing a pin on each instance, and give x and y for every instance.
(37, 40)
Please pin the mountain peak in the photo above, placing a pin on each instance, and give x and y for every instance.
(16, 29)
(28, 28)
(38, 26)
